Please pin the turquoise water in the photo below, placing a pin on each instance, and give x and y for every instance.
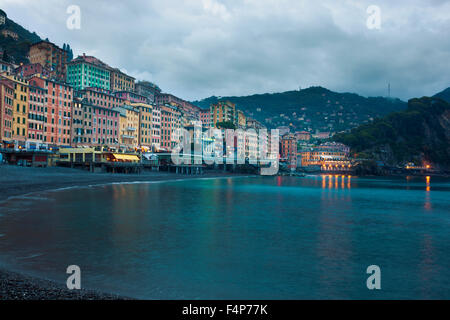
(239, 238)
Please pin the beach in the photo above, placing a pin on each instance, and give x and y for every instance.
(16, 181)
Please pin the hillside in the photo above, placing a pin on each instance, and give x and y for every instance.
(17, 50)
(312, 109)
(419, 134)
(444, 95)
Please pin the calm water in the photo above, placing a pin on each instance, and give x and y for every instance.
(239, 238)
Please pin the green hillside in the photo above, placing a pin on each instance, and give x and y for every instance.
(312, 109)
(421, 133)
(17, 50)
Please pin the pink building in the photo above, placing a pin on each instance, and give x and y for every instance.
(131, 97)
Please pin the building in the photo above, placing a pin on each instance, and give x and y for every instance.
(100, 97)
(50, 56)
(171, 124)
(120, 81)
(288, 150)
(37, 115)
(3, 17)
(205, 118)
(129, 127)
(222, 112)
(8, 33)
(330, 156)
(148, 90)
(241, 120)
(255, 124)
(156, 128)
(88, 71)
(145, 127)
(6, 67)
(20, 109)
(31, 69)
(6, 109)
(94, 125)
(57, 109)
(303, 136)
(131, 97)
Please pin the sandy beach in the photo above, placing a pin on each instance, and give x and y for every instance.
(15, 181)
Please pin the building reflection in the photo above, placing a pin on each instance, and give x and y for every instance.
(336, 182)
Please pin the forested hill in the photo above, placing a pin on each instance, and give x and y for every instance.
(314, 108)
(16, 51)
(444, 95)
(419, 134)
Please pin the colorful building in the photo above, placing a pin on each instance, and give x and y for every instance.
(32, 69)
(145, 125)
(241, 120)
(130, 97)
(37, 115)
(330, 156)
(156, 128)
(129, 127)
(20, 109)
(288, 150)
(205, 118)
(120, 81)
(171, 124)
(94, 125)
(50, 56)
(100, 97)
(88, 71)
(57, 110)
(222, 112)
(6, 109)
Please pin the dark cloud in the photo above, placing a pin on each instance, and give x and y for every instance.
(198, 48)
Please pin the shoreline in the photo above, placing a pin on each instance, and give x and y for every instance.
(21, 181)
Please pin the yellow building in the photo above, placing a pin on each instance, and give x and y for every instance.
(129, 125)
(20, 107)
(120, 81)
(241, 120)
(145, 124)
(223, 112)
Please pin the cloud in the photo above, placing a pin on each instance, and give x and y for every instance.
(198, 48)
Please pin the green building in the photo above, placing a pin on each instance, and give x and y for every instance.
(87, 71)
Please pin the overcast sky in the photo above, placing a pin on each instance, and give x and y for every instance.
(198, 48)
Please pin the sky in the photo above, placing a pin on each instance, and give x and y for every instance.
(199, 48)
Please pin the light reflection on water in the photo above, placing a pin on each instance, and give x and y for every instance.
(239, 238)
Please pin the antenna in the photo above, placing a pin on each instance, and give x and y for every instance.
(389, 90)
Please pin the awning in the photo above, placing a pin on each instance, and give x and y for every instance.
(126, 157)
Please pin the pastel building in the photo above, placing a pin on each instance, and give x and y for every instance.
(129, 127)
(20, 107)
(222, 112)
(6, 109)
(130, 97)
(57, 109)
(120, 81)
(37, 114)
(145, 124)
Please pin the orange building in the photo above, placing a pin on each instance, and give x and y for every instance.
(50, 56)
(6, 109)
(288, 152)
